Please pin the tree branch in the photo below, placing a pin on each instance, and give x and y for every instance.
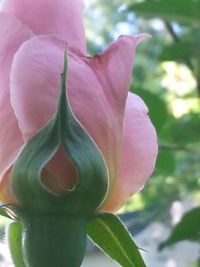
(187, 60)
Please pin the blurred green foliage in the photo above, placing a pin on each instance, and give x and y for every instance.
(187, 229)
(167, 77)
(186, 11)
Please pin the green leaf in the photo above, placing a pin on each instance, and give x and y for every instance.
(177, 52)
(155, 104)
(186, 11)
(14, 234)
(110, 234)
(187, 229)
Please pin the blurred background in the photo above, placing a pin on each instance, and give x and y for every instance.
(167, 77)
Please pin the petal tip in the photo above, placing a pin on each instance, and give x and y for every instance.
(142, 37)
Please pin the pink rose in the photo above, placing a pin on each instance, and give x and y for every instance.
(34, 34)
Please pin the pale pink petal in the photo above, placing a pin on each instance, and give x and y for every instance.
(59, 175)
(96, 93)
(13, 34)
(139, 153)
(113, 68)
(63, 18)
(113, 71)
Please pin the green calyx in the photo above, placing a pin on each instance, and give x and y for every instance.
(66, 131)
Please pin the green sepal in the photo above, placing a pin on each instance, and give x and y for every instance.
(3, 211)
(14, 236)
(9, 211)
(111, 235)
(66, 131)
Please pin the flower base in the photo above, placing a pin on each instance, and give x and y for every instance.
(53, 240)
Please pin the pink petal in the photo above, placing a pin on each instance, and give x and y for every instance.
(13, 34)
(113, 68)
(138, 153)
(97, 87)
(59, 175)
(113, 71)
(59, 17)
